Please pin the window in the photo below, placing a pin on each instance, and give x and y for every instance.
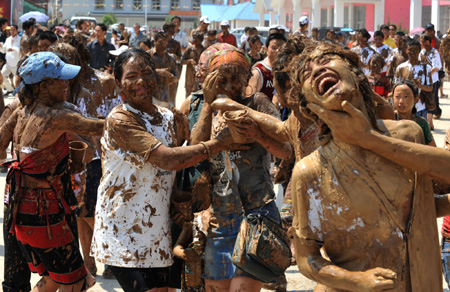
(118, 4)
(175, 5)
(137, 4)
(156, 5)
(195, 4)
(99, 4)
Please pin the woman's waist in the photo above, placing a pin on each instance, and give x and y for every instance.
(29, 182)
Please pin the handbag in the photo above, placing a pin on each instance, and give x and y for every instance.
(262, 248)
(441, 74)
(427, 97)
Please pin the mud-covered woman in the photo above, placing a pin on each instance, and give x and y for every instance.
(241, 179)
(40, 190)
(140, 155)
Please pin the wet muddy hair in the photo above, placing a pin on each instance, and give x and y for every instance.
(71, 55)
(293, 47)
(377, 58)
(77, 42)
(137, 53)
(322, 52)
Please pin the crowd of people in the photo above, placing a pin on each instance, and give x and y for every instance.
(104, 168)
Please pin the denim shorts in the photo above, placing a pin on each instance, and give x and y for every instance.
(445, 254)
(221, 240)
(220, 245)
(422, 113)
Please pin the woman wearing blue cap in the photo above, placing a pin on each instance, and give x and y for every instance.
(40, 199)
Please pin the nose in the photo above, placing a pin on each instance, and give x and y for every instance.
(317, 70)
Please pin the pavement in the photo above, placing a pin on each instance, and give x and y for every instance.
(296, 281)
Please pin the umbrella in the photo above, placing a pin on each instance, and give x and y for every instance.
(417, 30)
(39, 16)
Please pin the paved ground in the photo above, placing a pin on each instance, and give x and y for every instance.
(296, 281)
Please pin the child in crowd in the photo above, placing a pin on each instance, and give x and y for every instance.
(379, 81)
(190, 58)
(211, 38)
(405, 96)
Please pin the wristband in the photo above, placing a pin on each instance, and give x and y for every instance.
(208, 151)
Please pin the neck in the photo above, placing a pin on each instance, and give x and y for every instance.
(160, 52)
(415, 61)
(146, 108)
(101, 41)
(405, 116)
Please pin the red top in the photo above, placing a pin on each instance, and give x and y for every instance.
(266, 79)
(446, 227)
(229, 39)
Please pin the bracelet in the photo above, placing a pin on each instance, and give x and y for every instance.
(208, 151)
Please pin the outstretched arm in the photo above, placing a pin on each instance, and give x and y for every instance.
(71, 121)
(353, 127)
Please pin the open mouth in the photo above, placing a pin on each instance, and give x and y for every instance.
(326, 82)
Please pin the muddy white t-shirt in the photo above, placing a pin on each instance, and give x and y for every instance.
(132, 214)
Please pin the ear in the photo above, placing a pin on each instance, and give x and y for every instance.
(119, 86)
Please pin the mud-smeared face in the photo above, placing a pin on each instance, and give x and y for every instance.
(328, 82)
(138, 83)
(403, 99)
(413, 52)
(55, 90)
(232, 80)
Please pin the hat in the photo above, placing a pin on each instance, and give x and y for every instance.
(224, 23)
(205, 19)
(274, 26)
(119, 50)
(429, 26)
(304, 20)
(352, 32)
(282, 27)
(43, 65)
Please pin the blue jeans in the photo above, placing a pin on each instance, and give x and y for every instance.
(445, 254)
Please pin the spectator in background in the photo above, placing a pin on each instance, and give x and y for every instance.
(381, 48)
(245, 35)
(364, 51)
(315, 34)
(341, 39)
(46, 39)
(304, 24)
(203, 27)
(225, 36)
(99, 48)
(331, 37)
(386, 39)
(353, 39)
(166, 68)
(11, 48)
(262, 79)
(245, 46)
(431, 56)
(392, 31)
(115, 39)
(124, 36)
(173, 46)
(210, 39)
(136, 36)
(190, 58)
(273, 29)
(3, 36)
(255, 47)
(179, 35)
(429, 31)
(378, 79)
(145, 44)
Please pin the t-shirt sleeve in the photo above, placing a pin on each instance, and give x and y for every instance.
(126, 133)
(426, 130)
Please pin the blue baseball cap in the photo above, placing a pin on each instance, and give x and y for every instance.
(42, 65)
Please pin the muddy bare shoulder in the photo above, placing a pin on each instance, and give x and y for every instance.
(404, 130)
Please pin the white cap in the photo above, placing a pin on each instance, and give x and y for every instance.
(282, 27)
(304, 20)
(205, 19)
(119, 50)
(224, 23)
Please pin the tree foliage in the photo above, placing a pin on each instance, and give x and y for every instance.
(109, 19)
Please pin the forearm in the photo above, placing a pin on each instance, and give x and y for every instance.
(442, 204)
(276, 148)
(417, 157)
(202, 131)
(177, 158)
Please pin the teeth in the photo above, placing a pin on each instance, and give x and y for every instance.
(324, 81)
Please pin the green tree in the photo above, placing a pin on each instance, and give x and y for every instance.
(109, 19)
(169, 18)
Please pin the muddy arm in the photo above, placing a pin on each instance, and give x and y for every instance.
(73, 122)
(352, 127)
(269, 124)
(6, 134)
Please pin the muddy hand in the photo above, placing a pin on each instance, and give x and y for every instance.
(249, 129)
(227, 104)
(210, 87)
(225, 138)
(350, 126)
(375, 280)
(181, 125)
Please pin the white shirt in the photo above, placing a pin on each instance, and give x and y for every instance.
(386, 50)
(365, 54)
(12, 58)
(132, 227)
(182, 38)
(433, 58)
